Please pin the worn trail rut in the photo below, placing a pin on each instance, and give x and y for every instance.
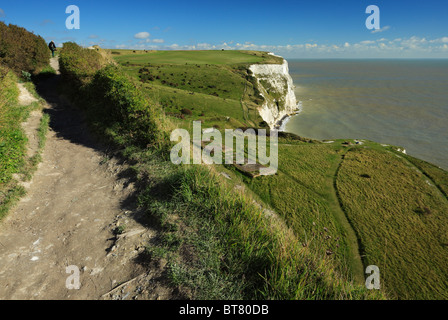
(73, 204)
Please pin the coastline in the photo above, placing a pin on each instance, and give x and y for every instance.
(281, 124)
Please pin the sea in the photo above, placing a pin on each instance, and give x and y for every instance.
(397, 102)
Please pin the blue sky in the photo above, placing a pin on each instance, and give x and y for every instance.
(294, 29)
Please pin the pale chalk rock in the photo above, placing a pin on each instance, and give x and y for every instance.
(280, 83)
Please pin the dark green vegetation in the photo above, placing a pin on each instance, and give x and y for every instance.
(13, 139)
(113, 99)
(21, 50)
(217, 242)
(79, 65)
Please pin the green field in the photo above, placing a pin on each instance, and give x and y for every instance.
(389, 207)
(192, 57)
(219, 240)
(211, 86)
(351, 204)
(401, 218)
(303, 194)
(307, 232)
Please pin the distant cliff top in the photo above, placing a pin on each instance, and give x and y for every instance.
(212, 57)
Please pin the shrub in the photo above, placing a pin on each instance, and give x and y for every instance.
(26, 76)
(21, 50)
(78, 64)
(119, 103)
(186, 111)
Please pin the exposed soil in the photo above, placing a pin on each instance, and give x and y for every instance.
(76, 200)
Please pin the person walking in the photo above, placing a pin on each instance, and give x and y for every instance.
(52, 47)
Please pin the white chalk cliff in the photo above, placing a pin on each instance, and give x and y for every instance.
(276, 86)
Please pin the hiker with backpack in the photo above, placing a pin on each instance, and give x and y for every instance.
(52, 47)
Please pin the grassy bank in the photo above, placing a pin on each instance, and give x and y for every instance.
(216, 242)
(14, 162)
(21, 50)
(401, 218)
(327, 207)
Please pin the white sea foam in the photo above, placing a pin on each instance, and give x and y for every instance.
(283, 123)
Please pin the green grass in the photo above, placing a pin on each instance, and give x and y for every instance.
(219, 245)
(302, 193)
(215, 80)
(12, 138)
(307, 191)
(13, 141)
(338, 207)
(400, 218)
(376, 201)
(210, 109)
(214, 85)
(438, 176)
(187, 57)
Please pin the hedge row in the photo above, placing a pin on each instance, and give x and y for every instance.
(79, 65)
(112, 98)
(21, 50)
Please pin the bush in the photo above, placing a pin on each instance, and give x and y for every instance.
(26, 76)
(79, 65)
(186, 111)
(21, 50)
(118, 98)
(115, 102)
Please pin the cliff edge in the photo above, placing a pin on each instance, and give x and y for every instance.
(277, 89)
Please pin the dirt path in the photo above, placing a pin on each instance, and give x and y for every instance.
(73, 204)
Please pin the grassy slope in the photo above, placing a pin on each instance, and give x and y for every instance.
(303, 194)
(13, 141)
(314, 193)
(397, 213)
(217, 242)
(206, 72)
(401, 218)
(220, 245)
(213, 85)
(193, 57)
(320, 197)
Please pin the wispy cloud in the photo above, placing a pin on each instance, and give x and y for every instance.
(440, 40)
(93, 36)
(385, 28)
(2, 13)
(45, 22)
(382, 48)
(142, 35)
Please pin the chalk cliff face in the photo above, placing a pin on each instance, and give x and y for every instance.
(276, 86)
